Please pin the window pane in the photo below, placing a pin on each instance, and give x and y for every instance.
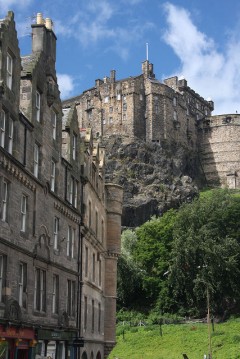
(36, 160)
(4, 201)
(2, 128)
(23, 213)
(10, 136)
(53, 172)
(38, 105)
(9, 71)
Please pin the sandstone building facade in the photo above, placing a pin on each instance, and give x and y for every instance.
(171, 112)
(59, 222)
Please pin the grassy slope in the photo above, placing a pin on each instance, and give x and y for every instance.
(191, 339)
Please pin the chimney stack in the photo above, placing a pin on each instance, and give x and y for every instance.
(43, 37)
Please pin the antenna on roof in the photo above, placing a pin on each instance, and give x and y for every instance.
(147, 50)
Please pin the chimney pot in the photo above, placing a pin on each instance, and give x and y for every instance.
(39, 18)
(48, 23)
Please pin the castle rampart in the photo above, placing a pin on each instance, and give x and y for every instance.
(219, 147)
(169, 112)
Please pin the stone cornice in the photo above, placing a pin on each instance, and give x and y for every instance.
(16, 172)
(62, 209)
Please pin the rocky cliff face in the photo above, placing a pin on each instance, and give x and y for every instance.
(154, 177)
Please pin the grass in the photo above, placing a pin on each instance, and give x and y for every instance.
(176, 339)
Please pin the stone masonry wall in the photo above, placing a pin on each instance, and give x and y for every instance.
(219, 143)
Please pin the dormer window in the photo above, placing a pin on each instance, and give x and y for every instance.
(9, 71)
(38, 105)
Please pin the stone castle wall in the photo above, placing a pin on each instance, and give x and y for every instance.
(168, 112)
(219, 147)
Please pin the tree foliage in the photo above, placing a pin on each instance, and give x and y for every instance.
(172, 261)
(206, 253)
(129, 288)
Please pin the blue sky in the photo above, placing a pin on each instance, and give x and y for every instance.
(197, 39)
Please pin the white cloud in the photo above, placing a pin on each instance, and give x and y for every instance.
(66, 85)
(24, 28)
(209, 72)
(61, 28)
(6, 5)
(95, 26)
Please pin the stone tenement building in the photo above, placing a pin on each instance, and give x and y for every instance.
(169, 112)
(59, 222)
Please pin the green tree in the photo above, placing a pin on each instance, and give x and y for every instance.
(152, 254)
(206, 254)
(129, 279)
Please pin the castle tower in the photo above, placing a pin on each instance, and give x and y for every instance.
(147, 69)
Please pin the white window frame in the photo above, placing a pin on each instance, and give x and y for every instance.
(75, 195)
(55, 233)
(71, 187)
(5, 200)
(10, 135)
(71, 241)
(2, 128)
(74, 146)
(36, 159)
(9, 71)
(20, 285)
(54, 125)
(53, 176)
(55, 294)
(23, 213)
(38, 105)
(42, 290)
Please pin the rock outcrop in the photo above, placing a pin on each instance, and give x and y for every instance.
(154, 177)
